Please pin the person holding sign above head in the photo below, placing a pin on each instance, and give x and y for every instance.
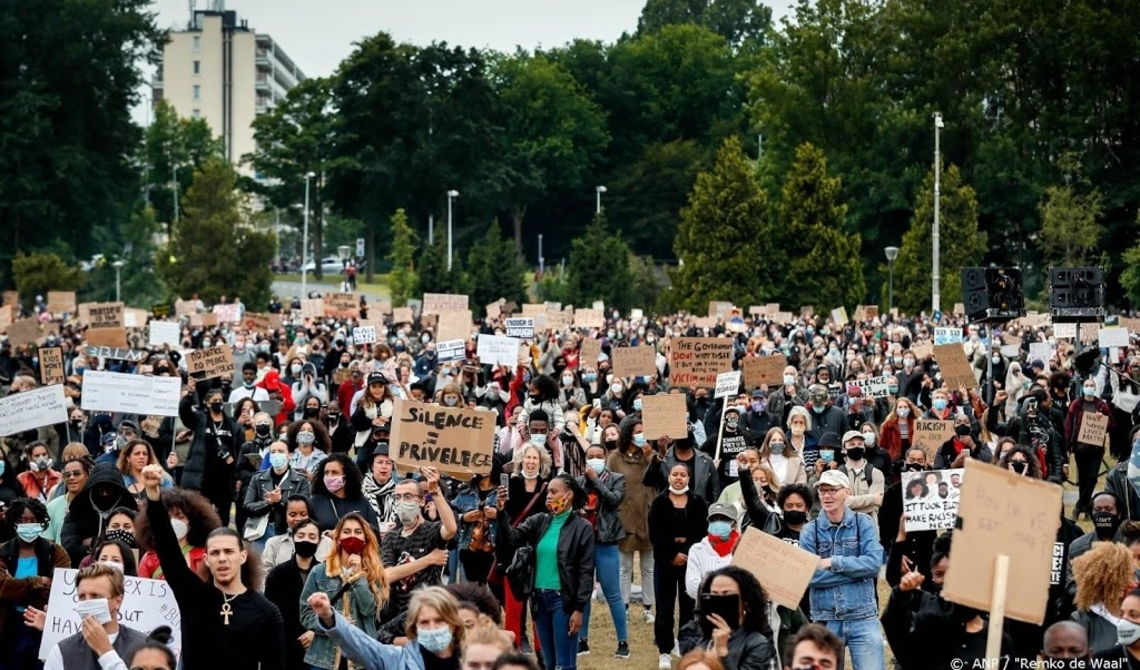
(223, 617)
(1087, 455)
(211, 463)
(843, 587)
(101, 643)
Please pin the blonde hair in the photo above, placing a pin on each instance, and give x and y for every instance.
(74, 450)
(773, 480)
(97, 570)
(700, 657)
(448, 607)
(371, 567)
(487, 633)
(544, 461)
(1103, 575)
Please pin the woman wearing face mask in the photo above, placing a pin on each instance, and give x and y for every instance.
(252, 454)
(338, 488)
(451, 396)
(268, 494)
(354, 578)
(284, 585)
(436, 634)
(527, 490)
(605, 491)
(193, 519)
(372, 407)
(630, 459)
(27, 564)
(475, 509)
(1126, 652)
(954, 452)
(678, 519)
(614, 397)
(590, 385)
(563, 546)
(291, 373)
(212, 459)
(309, 446)
(714, 551)
(39, 479)
(777, 451)
(1102, 574)
(309, 392)
(799, 439)
(1087, 456)
(897, 433)
(571, 396)
(1022, 461)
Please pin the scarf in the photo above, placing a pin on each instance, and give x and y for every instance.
(379, 497)
(724, 547)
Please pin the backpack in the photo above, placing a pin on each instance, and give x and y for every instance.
(867, 472)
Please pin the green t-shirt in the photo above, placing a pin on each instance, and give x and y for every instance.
(546, 555)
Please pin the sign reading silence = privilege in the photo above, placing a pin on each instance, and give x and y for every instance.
(459, 442)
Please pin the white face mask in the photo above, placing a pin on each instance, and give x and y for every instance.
(869, 439)
(567, 381)
(96, 607)
(903, 412)
(180, 528)
(679, 491)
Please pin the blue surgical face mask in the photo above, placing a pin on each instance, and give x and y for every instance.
(639, 439)
(538, 440)
(434, 640)
(29, 532)
(721, 529)
(278, 460)
(591, 377)
(637, 404)
(598, 465)
(826, 455)
(940, 404)
(3, 467)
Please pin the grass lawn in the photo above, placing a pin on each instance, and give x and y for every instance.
(380, 285)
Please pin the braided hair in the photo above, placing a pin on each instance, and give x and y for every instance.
(20, 505)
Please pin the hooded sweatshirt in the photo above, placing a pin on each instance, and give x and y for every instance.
(87, 515)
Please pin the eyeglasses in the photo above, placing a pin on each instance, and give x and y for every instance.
(406, 497)
(72, 474)
(827, 492)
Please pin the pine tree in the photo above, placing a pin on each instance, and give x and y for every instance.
(402, 280)
(493, 269)
(599, 268)
(432, 275)
(823, 257)
(724, 241)
(960, 244)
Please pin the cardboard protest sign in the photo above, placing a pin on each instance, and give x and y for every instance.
(342, 305)
(764, 370)
(591, 350)
(634, 361)
(227, 313)
(106, 337)
(261, 323)
(5, 318)
(860, 314)
(876, 387)
(1112, 337)
(147, 604)
(364, 335)
(955, 367)
(61, 301)
(454, 325)
(43, 406)
(210, 363)
(441, 303)
(872, 311)
(497, 350)
(757, 310)
(930, 434)
(131, 394)
(51, 365)
(718, 308)
(727, 384)
(930, 499)
(494, 310)
(312, 308)
(117, 353)
(1004, 513)
(520, 327)
(558, 321)
(708, 322)
(184, 307)
(382, 307)
(24, 331)
(923, 350)
(947, 336)
(160, 311)
(163, 333)
(1094, 429)
(450, 351)
(402, 315)
(839, 316)
(458, 441)
(698, 360)
(135, 318)
(589, 318)
(783, 569)
(664, 415)
(636, 314)
(12, 298)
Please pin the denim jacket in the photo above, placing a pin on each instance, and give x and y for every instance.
(366, 651)
(846, 590)
(322, 652)
(467, 500)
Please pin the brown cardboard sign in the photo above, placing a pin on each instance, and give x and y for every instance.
(106, 337)
(955, 367)
(589, 318)
(493, 310)
(442, 303)
(454, 326)
(51, 365)
(664, 415)
(342, 305)
(1094, 429)
(458, 441)
(783, 569)
(591, 349)
(210, 363)
(402, 315)
(764, 370)
(61, 301)
(102, 314)
(698, 360)
(262, 323)
(1004, 513)
(24, 331)
(634, 361)
(930, 434)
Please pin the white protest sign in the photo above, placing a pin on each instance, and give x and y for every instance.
(876, 387)
(930, 498)
(947, 335)
(28, 410)
(364, 335)
(1010, 350)
(450, 351)
(521, 328)
(147, 604)
(727, 384)
(165, 332)
(131, 394)
(1066, 330)
(1040, 350)
(497, 350)
(1112, 337)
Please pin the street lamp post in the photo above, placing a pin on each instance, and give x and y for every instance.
(451, 195)
(541, 261)
(305, 240)
(598, 191)
(118, 265)
(892, 254)
(935, 299)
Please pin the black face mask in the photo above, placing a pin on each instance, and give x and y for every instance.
(216, 407)
(913, 467)
(262, 429)
(962, 614)
(962, 430)
(795, 517)
(311, 412)
(122, 535)
(305, 549)
(856, 453)
(334, 416)
(1106, 524)
(1019, 467)
(611, 445)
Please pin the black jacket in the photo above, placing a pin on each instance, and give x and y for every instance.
(292, 483)
(206, 470)
(610, 487)
(86, 517)
(283, 587)
(746, 650)
(575, 553)
(925, 633)
(666, 536)
(1117, 484)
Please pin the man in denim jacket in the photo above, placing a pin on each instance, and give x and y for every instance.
(843, 587)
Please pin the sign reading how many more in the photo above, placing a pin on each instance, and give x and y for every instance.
(521, 328)
(698, 360)
(459, 442)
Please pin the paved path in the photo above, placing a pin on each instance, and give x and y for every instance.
(288, 289)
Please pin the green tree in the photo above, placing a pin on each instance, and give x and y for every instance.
(38, 273)
(724, 241)
(823, 265)
(173, 148)
(402, 280)
(494, 270)
(960, 244)
(738, 21)
(215, 250)
(599, 268)
(432, 275)
(1070, 227)
(137, 250)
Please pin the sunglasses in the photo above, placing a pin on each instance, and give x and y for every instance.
(72, 474)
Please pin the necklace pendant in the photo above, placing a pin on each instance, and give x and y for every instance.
(226, 612)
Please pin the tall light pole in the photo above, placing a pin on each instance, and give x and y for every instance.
(451, 195)
(598, 191)
(935, 298)
(118, 265)
(892, 254)
(541, 263)
(305, 240)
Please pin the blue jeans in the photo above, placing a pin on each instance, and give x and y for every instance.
(864, 639)
(270, 532)
(559, 648)
(607, 571)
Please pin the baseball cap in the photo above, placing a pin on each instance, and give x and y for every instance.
(758, 393)
(852, 435)
(834, 478)
(377, 378)
(726, 510)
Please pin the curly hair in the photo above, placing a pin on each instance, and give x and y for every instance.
(546, 387)
(789, 490)
(924, 490)
(478, 596)
(353, 480)
(202, 518)
(545, 463)
(321, 439)
(1034, 465)
(1103, 575)
(752, 596)
(17, 508)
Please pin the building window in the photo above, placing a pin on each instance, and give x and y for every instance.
(197, 43)
(197, 92)
(197, 67)
(197, 114)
